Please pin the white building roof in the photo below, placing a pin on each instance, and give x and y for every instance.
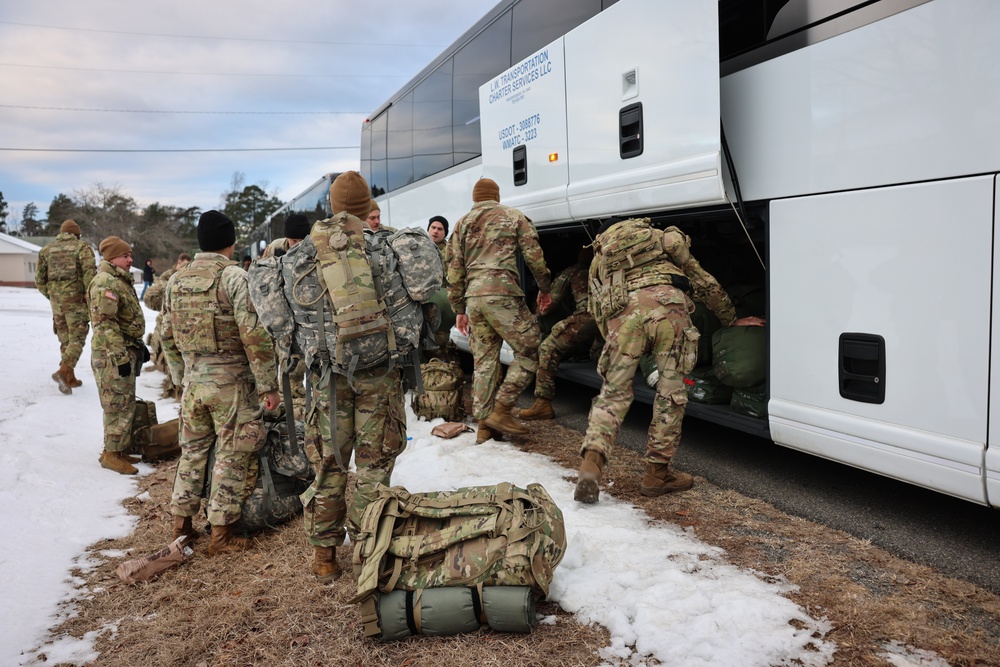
(11, 245)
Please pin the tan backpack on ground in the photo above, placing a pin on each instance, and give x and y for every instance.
(442, 396)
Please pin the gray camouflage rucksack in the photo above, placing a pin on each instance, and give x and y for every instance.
(346, 298)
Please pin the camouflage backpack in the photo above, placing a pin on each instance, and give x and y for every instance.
(442, 395)
(625, 246)
(283, 474)
(345, 296)
(498, 535)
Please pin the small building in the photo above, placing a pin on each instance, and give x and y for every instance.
(18, 261)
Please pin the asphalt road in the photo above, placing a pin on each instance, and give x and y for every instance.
(955, 537)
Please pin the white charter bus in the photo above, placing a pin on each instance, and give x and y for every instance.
(840, 156)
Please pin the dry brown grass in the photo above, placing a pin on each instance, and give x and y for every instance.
(264, 608)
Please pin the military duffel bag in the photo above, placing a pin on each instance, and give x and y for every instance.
(739, 355)
(475, 537)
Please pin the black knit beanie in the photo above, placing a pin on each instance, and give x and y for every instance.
(442, 220)
(215, 231)
(297, 226)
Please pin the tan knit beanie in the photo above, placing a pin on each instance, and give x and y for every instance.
(349, 192)
(71, 227)
(112, 247)
(374, 207)
(486, 190)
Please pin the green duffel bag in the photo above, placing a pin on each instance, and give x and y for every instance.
(446, 316)
(739, 356)
(707, 324)
(704, 387)
(455, 610)
(751, 402)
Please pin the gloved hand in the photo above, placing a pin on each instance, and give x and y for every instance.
(145, 353)
(124, 370)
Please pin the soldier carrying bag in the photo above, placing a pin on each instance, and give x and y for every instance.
(412, 548)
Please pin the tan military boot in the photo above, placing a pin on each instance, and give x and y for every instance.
(502, 420)
(61, 377)
(483, 432)
(73, 380)
(660, 479)
(119, 462)
(224, 541)
(540, 409)
(588, 485)
(325, 565)
(184, 528)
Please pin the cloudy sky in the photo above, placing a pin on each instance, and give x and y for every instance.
(163, 99)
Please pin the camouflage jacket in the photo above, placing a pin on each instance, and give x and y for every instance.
(443, 249)
(678, 260)
(65, 268)
(482, 254)
(256, 362)
(115, 314)
(572, 280)
(153, 298)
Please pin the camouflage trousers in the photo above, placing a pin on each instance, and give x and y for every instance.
(117, 395)
(493, 320)
(371, 423)
(656, 320)
(70, 323)
(573, 335)
(226, 418)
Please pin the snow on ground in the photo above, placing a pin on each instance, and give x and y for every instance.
(660, 591)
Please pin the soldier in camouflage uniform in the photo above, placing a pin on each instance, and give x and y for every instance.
(297, 227)
(116, 349)
(154, 301)
(213, 339)
(572, 335)
(65, 268)
(437, 227)
(656, 318)
(484, 291)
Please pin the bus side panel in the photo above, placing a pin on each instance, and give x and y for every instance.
(908, 264)
(909, 98)
(664, 55)
(992, 456)
(525, 107)
(448, 193)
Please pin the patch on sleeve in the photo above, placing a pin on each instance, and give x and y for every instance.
(111, 295)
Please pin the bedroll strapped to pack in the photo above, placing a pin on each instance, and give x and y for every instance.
(485, 536)
(451, 611)
(442, 395)
(284, 473)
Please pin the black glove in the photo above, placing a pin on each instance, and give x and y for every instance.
(124, 370)
(145, 353)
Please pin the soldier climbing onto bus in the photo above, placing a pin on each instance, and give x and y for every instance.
(642, 281)
(573, 335)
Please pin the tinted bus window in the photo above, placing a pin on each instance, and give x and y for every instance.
(366, 152)
(539, 22)
(432, 144)
(476, 63)
(399, 142)
(379, 179)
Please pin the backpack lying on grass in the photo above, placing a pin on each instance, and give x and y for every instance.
(471, 538)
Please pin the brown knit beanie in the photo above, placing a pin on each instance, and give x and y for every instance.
(486, 190)
(349, 192)
(112, 247)
(374, 207)
(71, 227)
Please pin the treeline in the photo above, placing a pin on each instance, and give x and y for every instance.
(156, 231)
